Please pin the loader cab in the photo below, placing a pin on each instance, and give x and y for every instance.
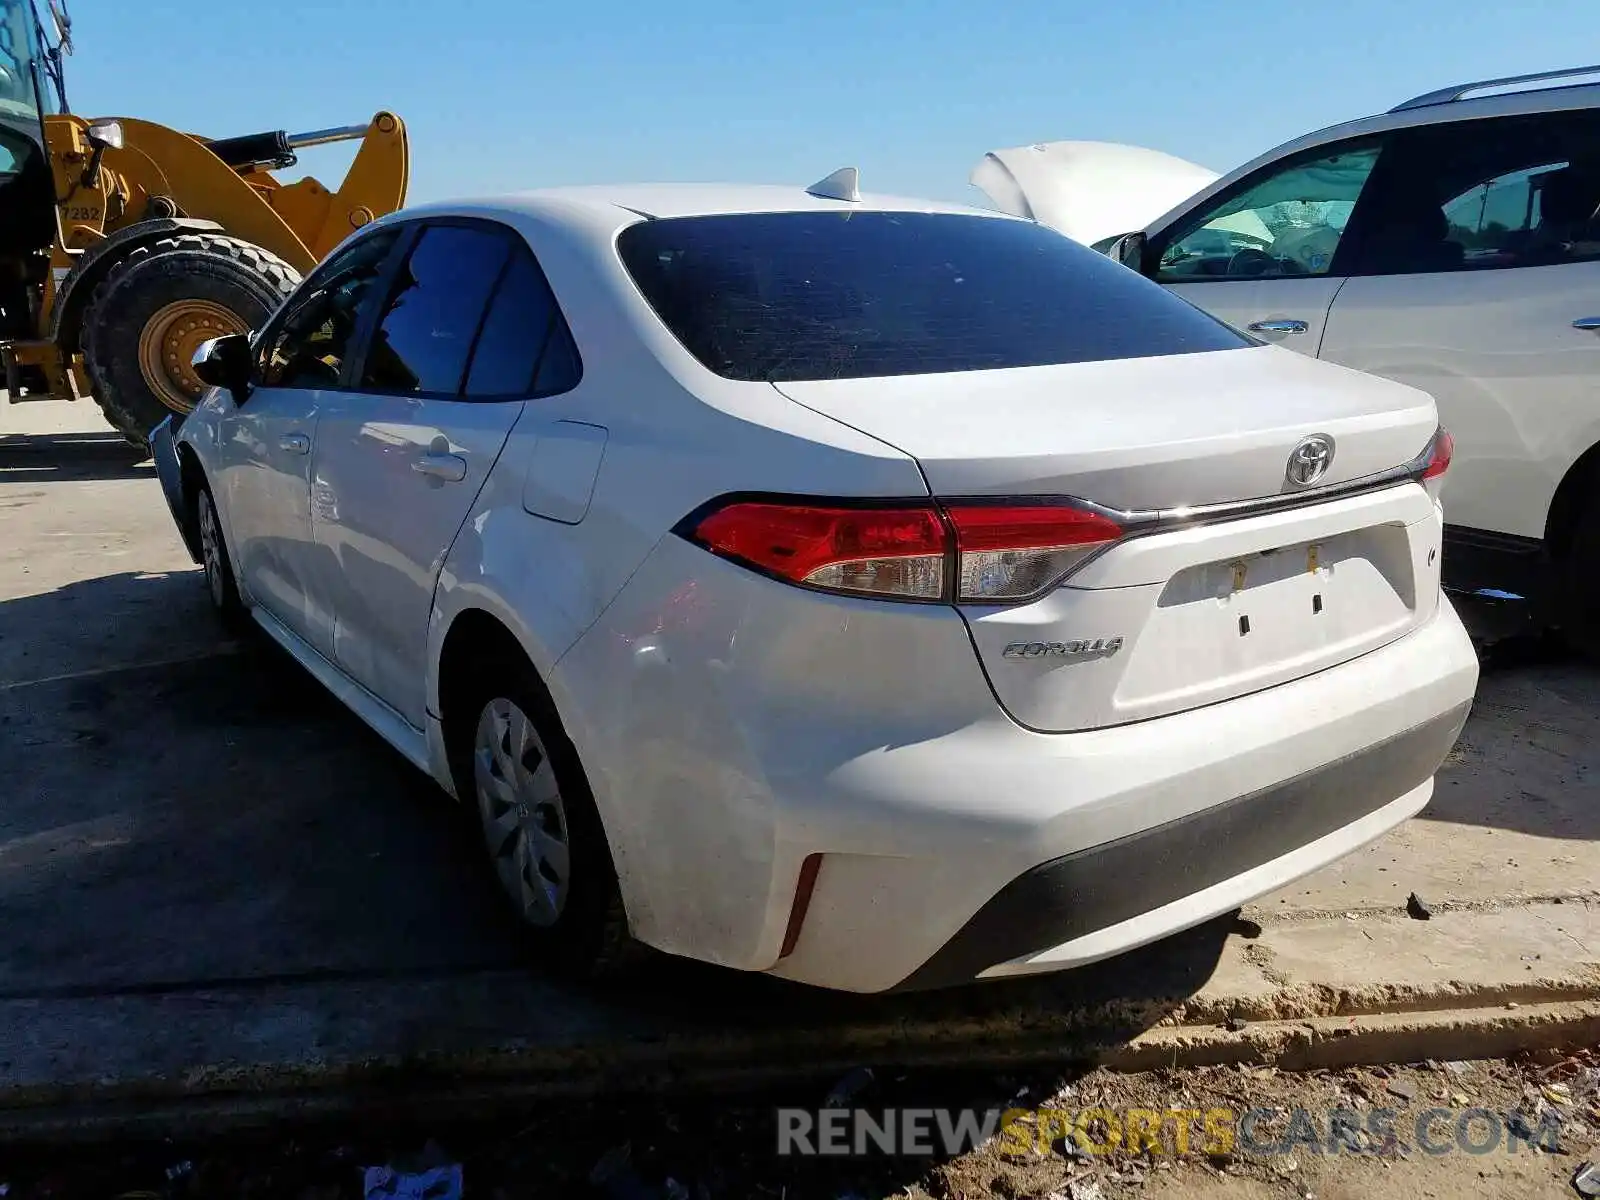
(27, 185)
(27, 225)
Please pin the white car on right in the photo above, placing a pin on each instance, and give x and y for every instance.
(1452, 243)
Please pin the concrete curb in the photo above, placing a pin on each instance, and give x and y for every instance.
(1368, 1039)
(1302, 994)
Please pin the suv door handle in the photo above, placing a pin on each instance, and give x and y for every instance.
(1279, 327)
(441, 466)
(295, 443)
(1587, 323)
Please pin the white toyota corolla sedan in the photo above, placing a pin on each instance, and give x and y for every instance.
(872, 592)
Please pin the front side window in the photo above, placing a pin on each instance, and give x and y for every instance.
(793, 296)
(1287, 223)
(308, 346)
(425, 333)
(1473, 195)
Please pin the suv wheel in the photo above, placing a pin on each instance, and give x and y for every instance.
(1578, 585)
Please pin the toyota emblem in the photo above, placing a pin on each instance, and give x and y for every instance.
(1309, 461)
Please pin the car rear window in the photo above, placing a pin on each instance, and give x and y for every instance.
(822, 295)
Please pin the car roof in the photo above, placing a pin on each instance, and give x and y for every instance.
(624, 203)
(1571, 98)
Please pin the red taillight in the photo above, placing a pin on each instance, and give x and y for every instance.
(1440, 451)
(877, 551)
(1010, 553)
(1003, 552)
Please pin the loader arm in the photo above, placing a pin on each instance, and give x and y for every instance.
(375, 185)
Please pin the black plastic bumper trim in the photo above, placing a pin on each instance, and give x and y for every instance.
(1093, 889)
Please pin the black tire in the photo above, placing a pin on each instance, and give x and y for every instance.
(210, 268)
(220, 583)
(1578, 585)
(589, 937)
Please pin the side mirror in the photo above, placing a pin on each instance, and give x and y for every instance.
(224, 362)
(1129, 251)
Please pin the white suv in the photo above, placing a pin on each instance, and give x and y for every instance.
(867, 591)
(1452, 243)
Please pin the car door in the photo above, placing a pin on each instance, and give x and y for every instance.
(265, 443)
(1476, 276)
(1261, 255)
(401, 458)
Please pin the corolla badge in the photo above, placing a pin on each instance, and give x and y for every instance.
(1309, 460)
(1097, 648)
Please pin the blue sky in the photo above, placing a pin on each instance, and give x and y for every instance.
(501, 94)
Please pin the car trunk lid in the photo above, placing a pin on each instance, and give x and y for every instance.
(1189, 608)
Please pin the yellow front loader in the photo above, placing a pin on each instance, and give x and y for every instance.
(125, 244)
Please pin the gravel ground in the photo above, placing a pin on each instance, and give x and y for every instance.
(706, 1148)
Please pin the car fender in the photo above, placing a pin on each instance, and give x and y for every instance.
(164, 452)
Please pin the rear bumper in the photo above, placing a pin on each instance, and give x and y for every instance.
(1064, 911)
(732, 726)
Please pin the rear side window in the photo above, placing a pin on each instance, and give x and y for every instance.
(525, 348)
(425, 332)
(806, 295)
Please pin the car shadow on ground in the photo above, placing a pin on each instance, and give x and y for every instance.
(59, 457)
(221, 819)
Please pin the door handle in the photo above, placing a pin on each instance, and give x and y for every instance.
(441, 466)
(295, 443)
(1587, 323)
(1279, 327)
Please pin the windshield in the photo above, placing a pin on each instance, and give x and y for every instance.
(848, 295)
(21, 61)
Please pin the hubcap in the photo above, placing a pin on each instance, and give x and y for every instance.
(168, 343)
(211, 548)
(524, 820)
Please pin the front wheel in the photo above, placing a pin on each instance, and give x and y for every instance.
(153, 310)
(220, 583)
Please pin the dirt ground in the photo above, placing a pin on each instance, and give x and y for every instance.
(1487, 1130)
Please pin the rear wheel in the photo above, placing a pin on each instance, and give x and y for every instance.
(515, 766)
(154, 309)
(1578, 585)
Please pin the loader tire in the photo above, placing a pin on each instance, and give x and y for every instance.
(156, 306)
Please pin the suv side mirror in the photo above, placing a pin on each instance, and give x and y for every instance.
(1129, 251)
(224, 362)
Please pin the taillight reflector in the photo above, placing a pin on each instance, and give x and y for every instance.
(1440, 451)
(1003, 552)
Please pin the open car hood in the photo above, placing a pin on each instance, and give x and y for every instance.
(1089, 191)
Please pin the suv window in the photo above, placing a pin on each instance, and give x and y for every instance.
(308, 346)
(524, 348)
(792, 296)
(1288, 222)
(425, 331)
(1507, 192)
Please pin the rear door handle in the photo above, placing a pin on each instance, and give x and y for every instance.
(441, 466)
(1279, 327)
(1587, 323)
(295, 443)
